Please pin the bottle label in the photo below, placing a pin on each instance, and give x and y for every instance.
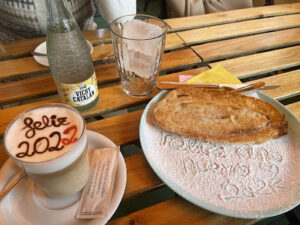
(79, 94)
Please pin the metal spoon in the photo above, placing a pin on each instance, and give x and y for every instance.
(11, 186)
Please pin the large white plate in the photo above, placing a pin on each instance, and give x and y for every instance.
(160, 154)
(22, 206)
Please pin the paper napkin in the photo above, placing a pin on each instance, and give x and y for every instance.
(215, 75)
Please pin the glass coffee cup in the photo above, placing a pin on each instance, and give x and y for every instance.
(50, 143)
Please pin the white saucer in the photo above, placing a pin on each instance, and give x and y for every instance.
(23, 206)
(42, 48)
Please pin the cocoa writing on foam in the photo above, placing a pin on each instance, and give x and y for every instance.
(42, 144)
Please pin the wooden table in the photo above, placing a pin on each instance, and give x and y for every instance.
(254, 44)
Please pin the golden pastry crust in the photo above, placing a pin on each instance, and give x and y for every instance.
(218, 116)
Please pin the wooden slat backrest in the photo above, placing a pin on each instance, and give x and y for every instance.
(248, 44)
(232, 16)
(225, 31)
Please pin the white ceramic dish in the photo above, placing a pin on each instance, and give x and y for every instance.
(165, 153)
(25, 205)
(42, 48)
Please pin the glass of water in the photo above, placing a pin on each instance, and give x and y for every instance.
(138, 42)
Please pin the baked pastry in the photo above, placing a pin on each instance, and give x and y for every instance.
(218, 116)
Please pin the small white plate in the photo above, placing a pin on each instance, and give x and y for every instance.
(25, 205)
(42, 48)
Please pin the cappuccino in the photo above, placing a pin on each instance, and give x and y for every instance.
(50, 143)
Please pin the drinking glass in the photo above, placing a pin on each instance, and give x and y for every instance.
(138, 42)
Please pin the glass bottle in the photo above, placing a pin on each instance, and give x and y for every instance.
(69, 58)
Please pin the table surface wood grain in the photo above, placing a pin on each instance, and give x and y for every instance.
(255, 44)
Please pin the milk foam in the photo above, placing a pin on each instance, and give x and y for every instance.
(49, 119)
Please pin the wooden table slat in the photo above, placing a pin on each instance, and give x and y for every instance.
(177, 211)
(11, 69)
(225, 31)
(19, 48)
(27, 89)
(289, 85)
(41, 86)
(105, 51)
(261, 41)
(140, 176)
(231, 16)
(122, 130)
(249, 44)
(295, 109)
(173, 41)
(110, 99)
(99, 38)
(174, 76)
(137, 170)
(108, 102)
(106, 73)
(262, 63)
(179, 59)
(28, 66)
(24, 47)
